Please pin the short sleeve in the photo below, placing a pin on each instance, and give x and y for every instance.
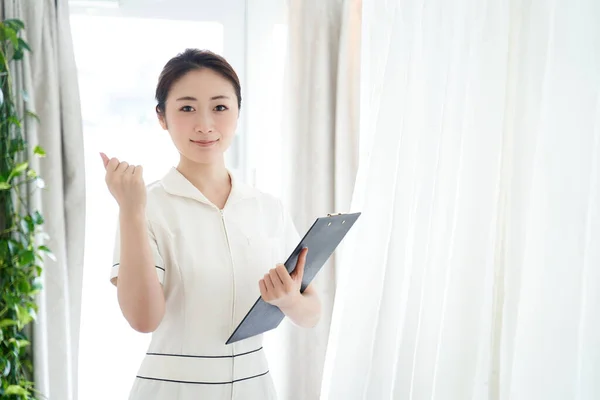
(158, 260)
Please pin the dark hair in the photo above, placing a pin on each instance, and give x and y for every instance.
(190, 60)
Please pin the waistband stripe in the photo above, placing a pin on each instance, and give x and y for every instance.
(194, 356)
(203, 383)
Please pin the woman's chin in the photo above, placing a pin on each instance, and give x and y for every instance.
(204, 157)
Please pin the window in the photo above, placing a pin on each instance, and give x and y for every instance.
(120, 48)
(267, 106)
(117, 72)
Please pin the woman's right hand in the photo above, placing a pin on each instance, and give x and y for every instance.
(126, 183)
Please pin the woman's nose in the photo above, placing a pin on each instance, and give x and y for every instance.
(204, 123)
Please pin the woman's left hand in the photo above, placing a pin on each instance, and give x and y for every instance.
(281, 288)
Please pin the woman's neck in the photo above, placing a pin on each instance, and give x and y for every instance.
(212, 180)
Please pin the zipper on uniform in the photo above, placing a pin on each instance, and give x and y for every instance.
(233, 297)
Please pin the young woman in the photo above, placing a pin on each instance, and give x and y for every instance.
(195, 249)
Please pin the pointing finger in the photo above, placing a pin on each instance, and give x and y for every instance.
(105, 159)
(298, 272)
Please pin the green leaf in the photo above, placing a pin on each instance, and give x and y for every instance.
(36, 285)
(5, 185)
(18, 169)
(31, 174)
(24, 286)
(45, 249)
(24, 226)
(37, 282)
(38, 151)
(11, 34)
(22, 343)
(18, 55)
(38, 218)
(48, 252)
(33, 115)
(15, 121)
(7, 367)
(17, 145)
(23, 315)
(21, 167)
(27, 258)
(16, 390)
(29, 365)
(23, 44)
(15, 24)
(30, 223)
(7, 322)
(13, 246)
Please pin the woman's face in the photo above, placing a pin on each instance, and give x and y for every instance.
(201, 115)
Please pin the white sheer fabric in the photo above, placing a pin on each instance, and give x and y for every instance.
(473, 272)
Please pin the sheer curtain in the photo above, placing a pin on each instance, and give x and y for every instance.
(473, 272)
(320, 158)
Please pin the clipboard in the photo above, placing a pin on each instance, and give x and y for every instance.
(323, 237)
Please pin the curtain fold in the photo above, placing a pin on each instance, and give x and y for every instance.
(320, 139)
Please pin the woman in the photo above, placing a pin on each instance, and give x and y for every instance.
(195, 249)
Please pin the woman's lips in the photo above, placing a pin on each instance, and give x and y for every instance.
(204, 143)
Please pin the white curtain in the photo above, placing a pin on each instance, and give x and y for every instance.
(48, 76)
(320, 138)
(474, 272)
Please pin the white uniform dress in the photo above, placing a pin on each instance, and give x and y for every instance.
(209, 262)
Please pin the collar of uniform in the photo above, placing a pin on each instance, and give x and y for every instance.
(178, 185)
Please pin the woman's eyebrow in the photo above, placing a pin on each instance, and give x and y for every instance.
(191, 98)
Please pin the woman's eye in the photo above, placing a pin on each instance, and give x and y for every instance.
(220, 108)
(187, 109)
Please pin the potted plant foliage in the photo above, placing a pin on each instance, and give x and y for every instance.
(21, 250)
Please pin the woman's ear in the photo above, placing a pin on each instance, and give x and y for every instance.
(161, 118)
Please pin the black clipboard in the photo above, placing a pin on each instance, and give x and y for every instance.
(322, 239)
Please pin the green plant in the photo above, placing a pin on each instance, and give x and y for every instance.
(21, 251)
